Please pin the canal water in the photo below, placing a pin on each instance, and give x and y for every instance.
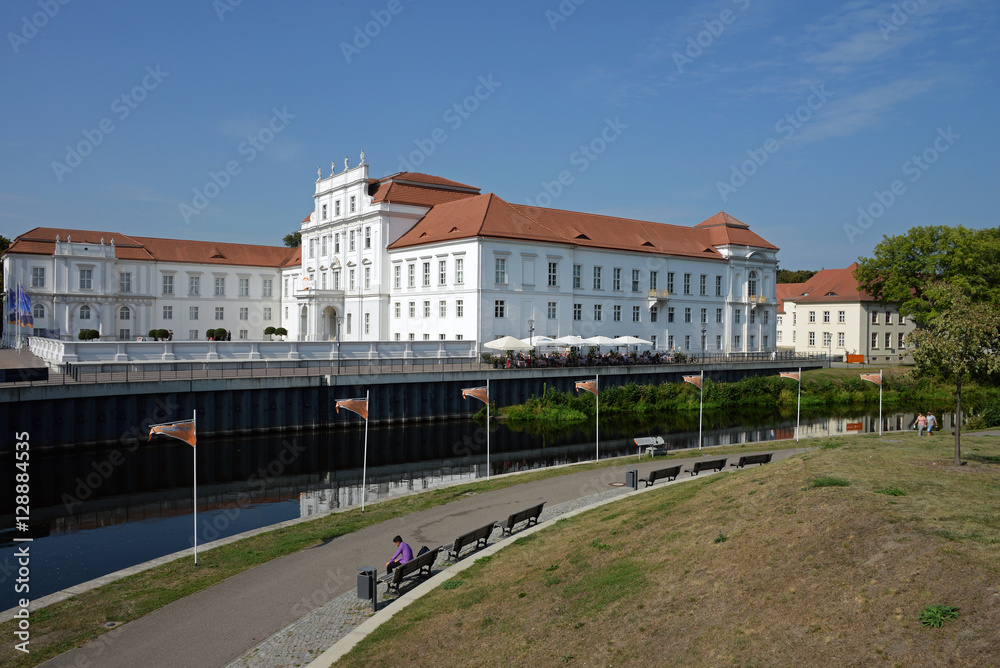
(97, 510)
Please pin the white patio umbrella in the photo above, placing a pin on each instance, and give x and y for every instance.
(534, 341)
(570, 340)
(600, 341)
(507, 343)
(631, 341)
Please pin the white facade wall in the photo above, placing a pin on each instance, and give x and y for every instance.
(842, 328)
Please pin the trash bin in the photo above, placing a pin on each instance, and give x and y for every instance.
(632, 478)
(366, 583)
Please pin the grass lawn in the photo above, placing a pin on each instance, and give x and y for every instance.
(856, 554)
(71, 623)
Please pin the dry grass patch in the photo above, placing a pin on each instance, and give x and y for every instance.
(831, 575)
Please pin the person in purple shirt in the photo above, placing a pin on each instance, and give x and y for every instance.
(403, 554)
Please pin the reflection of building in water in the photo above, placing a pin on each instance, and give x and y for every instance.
(382, 484)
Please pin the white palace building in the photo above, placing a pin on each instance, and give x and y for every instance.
(413, 257)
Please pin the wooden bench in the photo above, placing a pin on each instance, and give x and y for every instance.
(668, 473)
(707, 465)
(529, 514)
(480, 536)
(749, 460)
(421, 566)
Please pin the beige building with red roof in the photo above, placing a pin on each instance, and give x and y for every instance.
(414, 257)
(829, 314)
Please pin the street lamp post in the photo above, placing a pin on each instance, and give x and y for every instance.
(703, 348)
(340, 322)
(531, 331)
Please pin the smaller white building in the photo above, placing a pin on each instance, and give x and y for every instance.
(830, 314)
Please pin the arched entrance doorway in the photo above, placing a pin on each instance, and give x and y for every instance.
(304, 323)
(328, 326)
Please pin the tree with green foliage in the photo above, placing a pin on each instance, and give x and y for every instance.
(794, 276)
(293, 240)
(905, 267)
(960, 341)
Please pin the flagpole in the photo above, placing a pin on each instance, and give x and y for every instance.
(194, 454)
(701, 405)
(597, 426)
(798, 407)
(487, 429)
(880, 402)
(364, 469)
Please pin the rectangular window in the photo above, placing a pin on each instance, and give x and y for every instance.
(443, 309)
(841, 317)
(267, 287)
(459, 308)
(427, 274)
(193, 312)
(336, 279)
(396, 276)
(795, 319)
(902, 320)
(753, 317)
(737, 316)
(597, 312)
(194, 285)
(168, 284)
(653, 276)
(874, 317)
(718, 286)
(220, 286)
(442, 272)
(653, 313)
(826, 316)
(670, 314)
(670, 282)
(704, 316)
(168, 312)
(779, 320)
(368, 240)
(687, 314)
(398, 309)
(368, 320)
(718, 315)
(902, 341)
(687, 342)
(38, 278)
(617, 313)
(124, 280)
(635, 280)
(874, 340)
(597, 278)
(888, 319)
(353, 201)
(312, 248)
(336, 208)
(652, 340)
(553, 274)
(687, 284)
(718, 341)
(888, 340)
(350, 278)
(577, 276)
(324, 212)
(244, 287)
(350, 243)
(125, 334)
(702, 285)
(577, 311)
(551, 311)
(244, 313)
(499, 309)
(767, 317)
(827, 339)
(778, 335)
(220, 313)
(500, 273)
(267, 313)
(670, 342)
(812, 316)
(336, 237)
(636, 314)
(323, 247)
(459, 271)
(736, 341)
(193, 334)
(411, 275)
(840, 339)
(616, 279)
(368, 278)
(349, 318)
(413, 309)
(244, 334)
(812, 338)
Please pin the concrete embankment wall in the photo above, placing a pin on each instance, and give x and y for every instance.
(75, 414)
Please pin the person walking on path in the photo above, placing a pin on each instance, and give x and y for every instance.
(921, 424)
(403, 554)
(931, 423)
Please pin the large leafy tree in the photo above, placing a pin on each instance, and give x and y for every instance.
(794, 276)
(294, 239)
(905, 267)
(963, 340)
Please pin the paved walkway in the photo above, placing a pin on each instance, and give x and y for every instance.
(288, 611)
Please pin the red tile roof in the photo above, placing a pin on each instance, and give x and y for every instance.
(418, 189)
(490, 216)
(725, 230)
(827, 285)
(41, 241)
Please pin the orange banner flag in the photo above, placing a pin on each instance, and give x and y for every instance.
(588, 385)
(873, 378)
(182, 431)
(476, 393)
(794, 375)
(694, 380)
(359, 406)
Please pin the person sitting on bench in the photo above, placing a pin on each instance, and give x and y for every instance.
(403, 554)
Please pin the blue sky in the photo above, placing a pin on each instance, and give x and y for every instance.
(822, 125)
